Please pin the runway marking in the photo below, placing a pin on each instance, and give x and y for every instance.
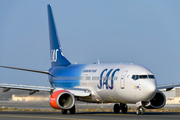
(44, 117)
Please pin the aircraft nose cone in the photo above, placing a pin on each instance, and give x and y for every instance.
(150, 89)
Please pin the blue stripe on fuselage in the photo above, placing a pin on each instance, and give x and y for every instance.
(61, 76)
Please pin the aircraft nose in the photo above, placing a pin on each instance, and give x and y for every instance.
(150, 89)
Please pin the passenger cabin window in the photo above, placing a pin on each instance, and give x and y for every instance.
(136, 77)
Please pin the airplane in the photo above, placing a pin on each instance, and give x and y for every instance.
(119, 83)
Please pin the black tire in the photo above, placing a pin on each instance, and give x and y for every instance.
(73, 110)
(116, 108)
(142, 111)
(138, 112)
(64, 111)
(124, 108)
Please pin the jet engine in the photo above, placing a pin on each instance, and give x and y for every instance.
(158, 101)
(62, 99)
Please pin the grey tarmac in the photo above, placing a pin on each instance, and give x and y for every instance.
(14, 115)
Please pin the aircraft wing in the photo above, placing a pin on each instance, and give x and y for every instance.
(30, 70)
(33, 89)
(167, 87)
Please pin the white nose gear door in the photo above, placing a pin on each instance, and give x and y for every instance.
(122, 81)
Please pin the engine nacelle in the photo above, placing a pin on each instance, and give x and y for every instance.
(158, 101)
(62, 99)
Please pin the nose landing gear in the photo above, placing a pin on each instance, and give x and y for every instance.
(140, 111)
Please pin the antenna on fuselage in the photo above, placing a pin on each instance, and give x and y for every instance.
(98, 62)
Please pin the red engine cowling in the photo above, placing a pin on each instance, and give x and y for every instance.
(158, 101)
(62, 99)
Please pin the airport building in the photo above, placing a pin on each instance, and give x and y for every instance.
(173, 96)
(27, 98)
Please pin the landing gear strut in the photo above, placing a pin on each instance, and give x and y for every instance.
(140, 111)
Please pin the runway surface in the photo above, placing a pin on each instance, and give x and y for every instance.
(16, 115)
(79, 105)
(88, 116)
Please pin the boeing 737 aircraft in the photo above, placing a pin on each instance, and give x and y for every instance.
(96, 83)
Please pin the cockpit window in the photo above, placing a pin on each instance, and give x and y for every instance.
(136, 77)
(151, 76)
(143, 76)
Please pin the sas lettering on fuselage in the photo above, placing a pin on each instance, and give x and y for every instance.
(104, 80)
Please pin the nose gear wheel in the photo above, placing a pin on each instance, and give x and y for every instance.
(140, 111)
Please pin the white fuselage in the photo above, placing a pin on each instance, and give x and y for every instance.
(115, 83)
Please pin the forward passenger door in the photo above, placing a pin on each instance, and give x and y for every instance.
(122, 80)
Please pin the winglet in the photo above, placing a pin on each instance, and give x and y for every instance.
(57, 57)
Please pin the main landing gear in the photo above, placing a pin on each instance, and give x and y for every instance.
(116, 108)
(123, 107)
(72, 110)
(64, 111)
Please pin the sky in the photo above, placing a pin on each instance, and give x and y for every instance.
(141, 32)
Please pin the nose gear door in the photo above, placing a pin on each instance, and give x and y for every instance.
(122, 81)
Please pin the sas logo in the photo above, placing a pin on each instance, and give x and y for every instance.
(104, 80)
(54, 55)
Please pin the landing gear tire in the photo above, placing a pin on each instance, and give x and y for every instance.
(72, 110)
(116, 108)
(64, 111)
(140, 111)
(124, 108)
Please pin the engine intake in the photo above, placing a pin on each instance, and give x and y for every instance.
(158, 101)
(62, 99)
